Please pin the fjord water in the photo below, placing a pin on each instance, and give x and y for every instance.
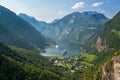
(71, 49)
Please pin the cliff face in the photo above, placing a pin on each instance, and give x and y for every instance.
(100, 44)
(110, 70)
(116, 68)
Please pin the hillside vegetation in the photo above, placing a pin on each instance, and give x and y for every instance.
(17, 32)
(109, 46)
(15, 66)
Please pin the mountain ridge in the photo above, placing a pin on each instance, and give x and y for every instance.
(19, 32)
(65, 21)
(75, 29)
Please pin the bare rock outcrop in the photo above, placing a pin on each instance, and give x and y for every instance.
(100, 44)
(110, 70)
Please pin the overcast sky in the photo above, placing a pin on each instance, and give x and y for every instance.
(48, 10)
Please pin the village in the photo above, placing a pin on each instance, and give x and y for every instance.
(74, 63)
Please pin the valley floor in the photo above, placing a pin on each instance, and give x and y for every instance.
(74, 63)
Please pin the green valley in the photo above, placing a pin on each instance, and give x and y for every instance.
(79, 46)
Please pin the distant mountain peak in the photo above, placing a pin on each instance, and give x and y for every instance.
(89, 12)
(87, 15)
(55, 20)
(76, 13)
(30, 18)
(26, 16)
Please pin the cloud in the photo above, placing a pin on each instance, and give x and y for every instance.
(60, 12)
(97, 4)
(78, 5)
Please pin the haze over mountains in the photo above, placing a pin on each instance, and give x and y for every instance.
(75, 29)
(17, 32)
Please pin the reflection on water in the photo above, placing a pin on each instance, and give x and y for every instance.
(59, 49)
(52, 51)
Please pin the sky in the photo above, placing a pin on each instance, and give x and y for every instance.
(48, 10)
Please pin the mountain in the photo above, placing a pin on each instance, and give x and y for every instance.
(78, 27)
(75, 29)
(54, 21)
(39, 25)
(109, 37)
(110, 43)
(17, 32)
(106, 46)
(111, 32)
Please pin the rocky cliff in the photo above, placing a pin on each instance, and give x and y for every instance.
(110, 70)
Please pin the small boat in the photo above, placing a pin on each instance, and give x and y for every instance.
(64, 52)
